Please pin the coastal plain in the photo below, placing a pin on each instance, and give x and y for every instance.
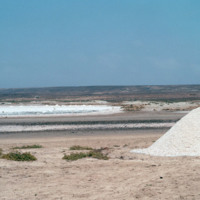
(124, 175)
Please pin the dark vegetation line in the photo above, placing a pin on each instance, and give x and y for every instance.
(88, 122)
(74, 131)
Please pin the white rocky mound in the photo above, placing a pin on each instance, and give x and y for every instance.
(183, 139)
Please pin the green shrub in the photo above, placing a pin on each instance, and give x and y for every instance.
(75, 156)
(1, 151)
(17, 156)
(98, 155)
(77, 147)
(92, 154)
(35, 146)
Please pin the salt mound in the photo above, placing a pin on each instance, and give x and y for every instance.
(183, 139)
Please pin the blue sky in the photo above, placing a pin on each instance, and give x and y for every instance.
(99, 42)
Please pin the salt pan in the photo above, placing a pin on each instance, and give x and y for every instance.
(35, 110)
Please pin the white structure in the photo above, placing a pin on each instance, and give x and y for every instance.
(183, 139)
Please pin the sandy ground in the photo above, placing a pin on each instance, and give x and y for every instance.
(124, 176)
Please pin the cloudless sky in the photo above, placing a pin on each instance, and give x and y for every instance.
(99, 42)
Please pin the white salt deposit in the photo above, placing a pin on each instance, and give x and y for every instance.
(32, 110)
(183, 139)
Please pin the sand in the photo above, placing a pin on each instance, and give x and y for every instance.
(125, 175)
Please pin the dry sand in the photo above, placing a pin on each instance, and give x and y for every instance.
(124, 176)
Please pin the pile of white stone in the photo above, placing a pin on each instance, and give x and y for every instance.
(183, 139)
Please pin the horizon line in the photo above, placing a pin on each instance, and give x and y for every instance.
(42, 87)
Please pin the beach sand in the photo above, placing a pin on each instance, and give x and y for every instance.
(124, 176)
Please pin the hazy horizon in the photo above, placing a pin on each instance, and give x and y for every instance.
(99, 43)
(99, 86)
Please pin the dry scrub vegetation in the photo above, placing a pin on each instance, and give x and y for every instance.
(132, 107)
(93, 153)
(18, 156)
(78, 147)
(35, 146)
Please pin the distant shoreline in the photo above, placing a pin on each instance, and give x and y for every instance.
(111, 94)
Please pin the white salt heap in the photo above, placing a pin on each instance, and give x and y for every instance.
(183, 139)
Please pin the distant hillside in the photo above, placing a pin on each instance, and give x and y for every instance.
(109, 93)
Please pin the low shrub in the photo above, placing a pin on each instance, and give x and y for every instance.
(91, 154)
(77, 147)
(35, 146)
(75, 156)
(98, 155)
(17, 156)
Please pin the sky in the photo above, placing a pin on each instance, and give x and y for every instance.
(45, 43)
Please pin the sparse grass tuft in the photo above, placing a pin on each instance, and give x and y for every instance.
(92, 154)
(35, 146)
(17, 156)
(1, 151)
(77, 147)
(75, 156)
(98, 155)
